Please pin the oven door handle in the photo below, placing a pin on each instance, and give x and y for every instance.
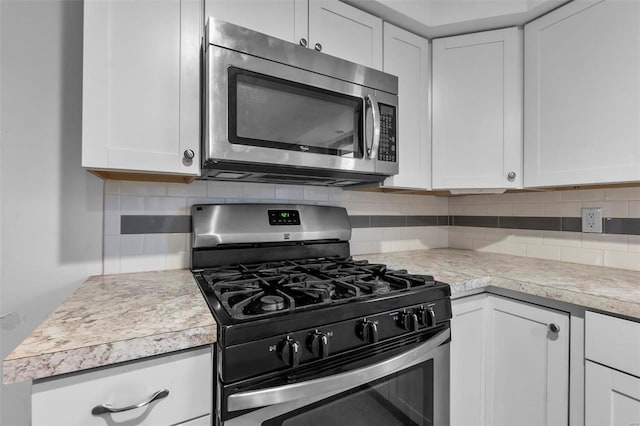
(338, 382)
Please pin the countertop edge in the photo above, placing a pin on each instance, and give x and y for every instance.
(74, 360)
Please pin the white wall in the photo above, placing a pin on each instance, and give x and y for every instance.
(51, 209)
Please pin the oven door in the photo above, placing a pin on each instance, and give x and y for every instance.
(265, 112)
(405, 385)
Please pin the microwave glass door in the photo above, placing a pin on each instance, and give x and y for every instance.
(405, 398)
(270, 112)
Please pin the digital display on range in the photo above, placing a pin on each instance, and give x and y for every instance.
(284, 217)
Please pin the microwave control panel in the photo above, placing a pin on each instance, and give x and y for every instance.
(387, 149)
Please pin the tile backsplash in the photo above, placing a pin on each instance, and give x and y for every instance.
(533, 224)
(421, 227)
(618, 250)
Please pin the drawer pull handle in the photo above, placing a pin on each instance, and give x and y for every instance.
(107, 408)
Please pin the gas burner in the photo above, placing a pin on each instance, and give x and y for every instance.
(272, 302)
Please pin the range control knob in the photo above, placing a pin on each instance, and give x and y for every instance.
(367, 331)
(290, 352)
(318, 344)
(408, 321)
(427, 316)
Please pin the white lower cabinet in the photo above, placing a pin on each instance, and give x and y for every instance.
(468, 359)
(611, 397)
(187, 376)
(612, 371)
(200, 421)
(508, 365)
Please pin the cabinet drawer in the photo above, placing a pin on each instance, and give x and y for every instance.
(70, 400)
(613, 342)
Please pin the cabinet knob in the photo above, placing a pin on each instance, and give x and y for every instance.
(511, 175)
(318, 47)
(189, 154)
(554, 328)
(303, 42)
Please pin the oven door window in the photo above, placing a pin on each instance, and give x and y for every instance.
(405, 398)
(274, 113)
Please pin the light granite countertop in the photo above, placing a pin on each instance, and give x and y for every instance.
(607, 289)
(115, 318)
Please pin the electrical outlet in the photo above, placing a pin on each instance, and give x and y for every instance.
(592, 220)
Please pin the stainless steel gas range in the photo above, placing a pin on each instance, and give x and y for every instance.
(309, 336)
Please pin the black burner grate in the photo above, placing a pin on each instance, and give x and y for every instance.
(263, 289)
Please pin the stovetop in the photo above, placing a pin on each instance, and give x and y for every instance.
(272, 271)
(254, 291)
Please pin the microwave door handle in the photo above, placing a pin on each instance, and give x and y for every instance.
(372, 151)
(338, 382)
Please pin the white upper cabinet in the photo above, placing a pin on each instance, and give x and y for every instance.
(582, 94)
(141, 90)
(340, 30)
(329, 26)
(283, 19)
(406, 55)
(477, 110)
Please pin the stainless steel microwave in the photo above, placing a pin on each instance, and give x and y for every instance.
(279, 112)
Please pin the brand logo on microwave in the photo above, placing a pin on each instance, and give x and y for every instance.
(304, 148)
(287, 236)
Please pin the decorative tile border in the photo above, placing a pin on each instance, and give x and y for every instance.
(611, 225)
(155, 224)
(627, 226)
(158, 224)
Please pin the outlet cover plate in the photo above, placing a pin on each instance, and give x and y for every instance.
(592, 220)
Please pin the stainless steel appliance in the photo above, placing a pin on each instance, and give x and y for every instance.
(309, 336)
(278, 112)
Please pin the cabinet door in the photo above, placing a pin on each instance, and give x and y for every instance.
(477, 110)
(468, 360)
(582, 94)
(346, 32)
(407, 56)
(141, 93)
(284, 19)
(527, 365)
(611, 397)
